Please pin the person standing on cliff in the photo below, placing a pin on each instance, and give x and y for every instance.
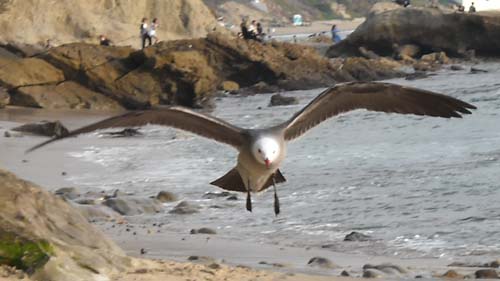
(144, 32)
(472, 8)
(152, 31)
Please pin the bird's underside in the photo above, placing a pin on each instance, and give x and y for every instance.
(232, 181)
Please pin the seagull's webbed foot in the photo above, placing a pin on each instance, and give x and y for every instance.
(249, 198)
(276, 200)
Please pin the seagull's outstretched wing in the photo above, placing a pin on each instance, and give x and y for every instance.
(177, 117)
(373, 96)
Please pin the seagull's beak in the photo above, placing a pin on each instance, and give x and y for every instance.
(268, 163)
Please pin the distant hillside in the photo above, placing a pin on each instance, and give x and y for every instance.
(63, 21)
(282, 10)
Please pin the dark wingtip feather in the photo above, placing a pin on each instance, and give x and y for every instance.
(40, 145)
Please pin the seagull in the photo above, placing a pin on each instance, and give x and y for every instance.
(261, 151)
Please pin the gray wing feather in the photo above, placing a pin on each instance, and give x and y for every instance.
(177, 117)
(373, 96)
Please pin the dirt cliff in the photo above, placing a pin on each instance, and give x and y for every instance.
(64, 21)
(44, 236)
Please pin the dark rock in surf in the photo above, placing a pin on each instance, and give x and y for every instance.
(44, 128)
(166, 196)
(213, 195)
(278, 100)
(69, 193)
(456, 67)
(356, 236)
(127, 132)
(474, 70)
(185, 208)
(452, 274)
(386, 268)
(372, 273)
(201, 259)
(322, 263)
(486, 274)
(130, 206)
(203, 230)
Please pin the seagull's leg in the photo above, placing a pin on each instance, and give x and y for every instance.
(249, 199)
(276, 200)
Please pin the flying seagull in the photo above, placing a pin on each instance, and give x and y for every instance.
(261, 151)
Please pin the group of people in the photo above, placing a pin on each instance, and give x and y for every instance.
(148, 32)
(472, 8)
(253, 31)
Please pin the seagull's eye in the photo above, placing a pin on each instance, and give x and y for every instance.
(260, 151)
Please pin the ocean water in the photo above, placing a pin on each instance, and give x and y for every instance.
(420, 186)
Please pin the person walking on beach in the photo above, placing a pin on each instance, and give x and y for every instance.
(152, 31)
(144, 32)
(335, 35)
(472, 8)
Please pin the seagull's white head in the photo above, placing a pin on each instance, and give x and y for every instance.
(266, 150)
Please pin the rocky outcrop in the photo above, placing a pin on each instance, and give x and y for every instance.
(430, 29)
(183, 72)
(44, 236)
(64, 21)
(66, 95)
(43, 128)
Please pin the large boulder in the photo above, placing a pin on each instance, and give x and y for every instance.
(430, 29)
(44, 236)
(43, 128)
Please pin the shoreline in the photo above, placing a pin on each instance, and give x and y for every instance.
(177, 246)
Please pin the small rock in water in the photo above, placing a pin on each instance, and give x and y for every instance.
(203, 230)
(456, 67)
(372, 273)
(474, 70)
(452, 274)
(356, 236)
(143, 251)
(201, 259)
(321, 262)
(344, 273)
(133, 206)
(213, 195)
(127, 132)
(232, 198)
(6, 134)
(486, 274)
(278, 99)
(417, 75)
(166, 196)
(386, 268)
(69, 193)
(185, 208)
